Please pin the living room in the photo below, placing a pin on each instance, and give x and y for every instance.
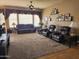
(33, 38)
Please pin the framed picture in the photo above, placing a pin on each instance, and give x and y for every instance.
(68, 18)
(61, 17)
(54, 11)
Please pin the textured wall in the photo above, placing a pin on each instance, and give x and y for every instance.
(67, 6)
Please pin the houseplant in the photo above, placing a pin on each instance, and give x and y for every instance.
(41, 24)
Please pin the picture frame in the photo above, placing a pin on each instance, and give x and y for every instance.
(67, 18)
(54, 11)
(61, 17)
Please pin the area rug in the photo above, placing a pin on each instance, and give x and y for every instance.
(32, 46)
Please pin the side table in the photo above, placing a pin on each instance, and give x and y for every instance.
(71, 40)
(14, 30)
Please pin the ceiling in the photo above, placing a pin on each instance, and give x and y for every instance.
(25, 3)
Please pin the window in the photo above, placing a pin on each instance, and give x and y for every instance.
(25, 19)
(12, 19)
(36, 21)
(2, 20)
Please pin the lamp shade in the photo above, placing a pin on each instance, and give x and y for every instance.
(3, 25)
(73, 24)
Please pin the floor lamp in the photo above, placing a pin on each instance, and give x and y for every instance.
(74, 27)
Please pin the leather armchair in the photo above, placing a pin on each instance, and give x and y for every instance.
(60, 34)
(47, 32)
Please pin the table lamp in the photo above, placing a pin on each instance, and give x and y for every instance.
(74, 27)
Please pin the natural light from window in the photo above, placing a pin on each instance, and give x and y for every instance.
(12, 19)
(24, 19)
(36, 20)
(2, 20)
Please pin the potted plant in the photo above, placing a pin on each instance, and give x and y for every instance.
(41, 24)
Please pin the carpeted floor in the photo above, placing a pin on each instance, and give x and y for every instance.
(31, 46)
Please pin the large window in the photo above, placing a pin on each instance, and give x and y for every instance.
(36, 20)
(28, 19)
(2, 20)
(12, 19)
(25, 19)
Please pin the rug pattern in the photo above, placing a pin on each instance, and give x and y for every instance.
(31, 46)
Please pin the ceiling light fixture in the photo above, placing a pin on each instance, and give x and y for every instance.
(31, 6)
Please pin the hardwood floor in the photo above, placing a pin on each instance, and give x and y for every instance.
(70, 53)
